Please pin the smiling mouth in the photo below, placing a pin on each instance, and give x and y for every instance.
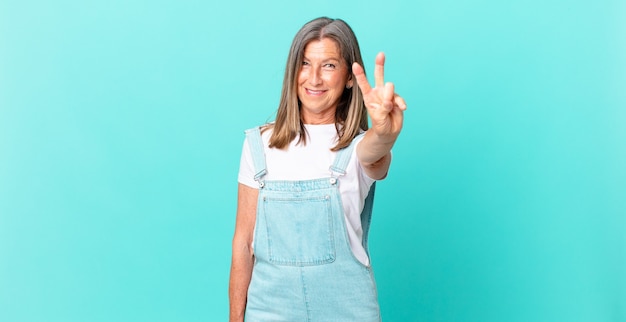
(314, 92)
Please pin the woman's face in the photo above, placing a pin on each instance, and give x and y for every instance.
(322, 79)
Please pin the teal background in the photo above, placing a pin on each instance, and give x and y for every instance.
(121, 124)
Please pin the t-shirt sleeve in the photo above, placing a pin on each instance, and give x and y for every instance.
(246, 167)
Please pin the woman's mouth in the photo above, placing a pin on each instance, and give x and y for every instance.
(315, 92)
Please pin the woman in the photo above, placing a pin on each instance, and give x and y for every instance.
(306, 185)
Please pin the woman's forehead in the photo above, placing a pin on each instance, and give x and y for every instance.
(324, 48)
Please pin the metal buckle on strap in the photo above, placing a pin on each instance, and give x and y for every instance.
(335, 172)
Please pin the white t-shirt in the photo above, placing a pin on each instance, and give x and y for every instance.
(312, 161)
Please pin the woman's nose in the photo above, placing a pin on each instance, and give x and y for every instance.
(315, 76)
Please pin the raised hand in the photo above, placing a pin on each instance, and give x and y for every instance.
(384, 106)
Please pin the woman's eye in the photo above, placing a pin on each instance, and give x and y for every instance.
(305, 63)
(330, 66)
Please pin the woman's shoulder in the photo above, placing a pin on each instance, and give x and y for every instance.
(264, 131)
(262, 128)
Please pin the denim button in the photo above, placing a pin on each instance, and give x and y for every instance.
(333, 180)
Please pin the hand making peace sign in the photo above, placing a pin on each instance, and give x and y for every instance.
(384, 106)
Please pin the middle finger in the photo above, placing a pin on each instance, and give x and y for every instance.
(379, 70)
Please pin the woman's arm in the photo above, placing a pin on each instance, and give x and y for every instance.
(386, 111)
(374, 155)
(243, 257)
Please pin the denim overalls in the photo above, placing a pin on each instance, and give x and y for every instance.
(304, 268)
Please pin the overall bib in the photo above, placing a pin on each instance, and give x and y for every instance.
(304, 267)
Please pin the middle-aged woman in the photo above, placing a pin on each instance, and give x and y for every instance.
(306, 185)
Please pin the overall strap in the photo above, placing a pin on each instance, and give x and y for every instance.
(343, 157)
(339, 167)
(258, 155)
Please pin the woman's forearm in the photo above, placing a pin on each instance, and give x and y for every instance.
(243, 255)
(374, 154)
(240, 274)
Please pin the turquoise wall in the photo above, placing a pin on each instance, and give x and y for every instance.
(121, 124)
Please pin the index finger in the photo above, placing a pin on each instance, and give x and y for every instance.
(361, 80)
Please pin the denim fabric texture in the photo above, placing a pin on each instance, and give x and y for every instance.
(304, 267)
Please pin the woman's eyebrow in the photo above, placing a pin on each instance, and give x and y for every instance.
(324, 60)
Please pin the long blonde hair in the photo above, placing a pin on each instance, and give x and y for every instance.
(350, 116)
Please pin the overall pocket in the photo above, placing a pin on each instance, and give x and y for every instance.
(299, 230)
